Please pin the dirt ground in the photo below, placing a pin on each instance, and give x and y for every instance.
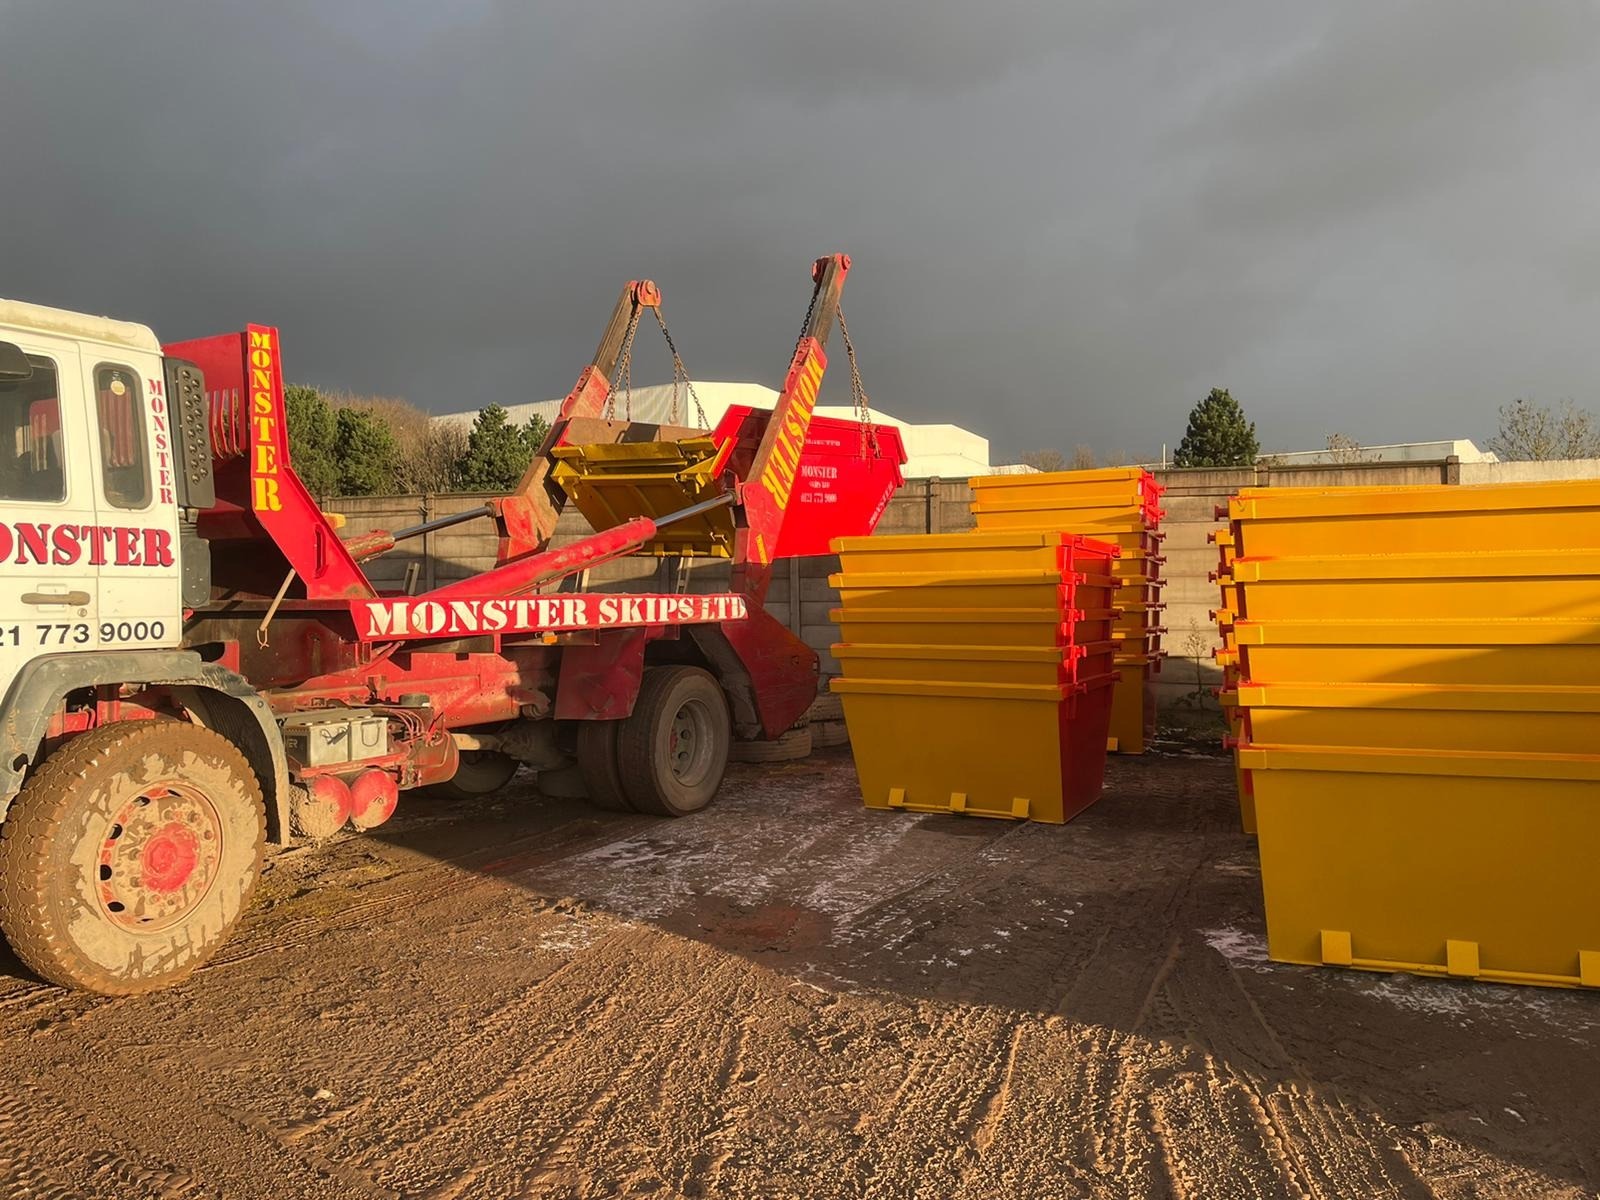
(792, 996)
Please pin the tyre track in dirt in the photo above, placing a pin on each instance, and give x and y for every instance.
(129, 1152)
(562, 1089)
(32, 1165)
(1320, 1144)
(1320, 1140)
(416, 891)
(1222, 1130)
(668, 1101)
(411, 880)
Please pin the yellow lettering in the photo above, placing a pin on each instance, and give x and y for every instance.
(787, 462)
(782, 481)
(266, 458)
(783, 466)
(266, 496)
(783, 451)
(266, 429)
(260, 338)
(795, 427)
(261, 402)
(261, 359)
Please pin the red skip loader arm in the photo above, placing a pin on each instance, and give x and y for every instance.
(258, 491)
(527, 517)
(536, 570)
(770, 483)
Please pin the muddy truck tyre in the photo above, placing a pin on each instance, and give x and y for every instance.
(597, 763)
(479, 773)
(563, 783)
(673, 750)
(128, 857)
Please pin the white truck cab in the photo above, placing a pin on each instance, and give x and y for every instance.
(89, 554)
(138, 840)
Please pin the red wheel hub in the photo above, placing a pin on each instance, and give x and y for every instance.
(159, 855)
(169, 857)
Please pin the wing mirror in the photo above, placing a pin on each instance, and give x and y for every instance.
(14, 364)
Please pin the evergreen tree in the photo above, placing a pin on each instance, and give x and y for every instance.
(367, 455)
(1218, 435)
(313, 430)
(534, 433)
(498, 452)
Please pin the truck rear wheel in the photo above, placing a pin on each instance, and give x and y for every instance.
(672, 752)
(480, 773)
(597, 762)
(129, 855)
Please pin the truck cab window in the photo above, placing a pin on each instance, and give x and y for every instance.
(30, 436)
(124, 467)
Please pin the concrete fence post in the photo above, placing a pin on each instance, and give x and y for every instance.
(796, 613)
(428, 513)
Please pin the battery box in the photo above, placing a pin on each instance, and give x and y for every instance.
(329, 736)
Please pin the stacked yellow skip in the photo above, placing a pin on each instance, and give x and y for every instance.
(977, 670)
(1121, 505)
(1419, 687)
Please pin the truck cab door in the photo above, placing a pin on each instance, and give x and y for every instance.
(49, 585)
(130, 434)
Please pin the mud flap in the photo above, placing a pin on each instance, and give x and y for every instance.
(772, 679)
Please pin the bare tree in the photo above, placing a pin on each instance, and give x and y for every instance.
(1541, 432)
(432, 468)
(1044, 460)
(1342, 448)
(1082, 458)
(429, 449)
(1197, 649)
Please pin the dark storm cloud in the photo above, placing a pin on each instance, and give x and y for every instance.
(1068, 220)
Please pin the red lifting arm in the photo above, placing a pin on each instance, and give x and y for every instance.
(770, 482)
(528, 516)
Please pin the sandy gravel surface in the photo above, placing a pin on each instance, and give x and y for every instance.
(789, 996)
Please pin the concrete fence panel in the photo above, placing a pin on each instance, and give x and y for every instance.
(801, 598)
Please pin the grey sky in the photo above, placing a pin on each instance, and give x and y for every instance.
(1068, 220)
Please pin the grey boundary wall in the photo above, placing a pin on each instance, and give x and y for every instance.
(801, 598)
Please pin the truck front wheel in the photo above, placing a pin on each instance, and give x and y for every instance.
(129, 855)
(673, 750)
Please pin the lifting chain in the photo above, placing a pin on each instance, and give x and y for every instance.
(858, 393)
(622, 376)
(806, 324)
(624, 372)
(680, 373)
